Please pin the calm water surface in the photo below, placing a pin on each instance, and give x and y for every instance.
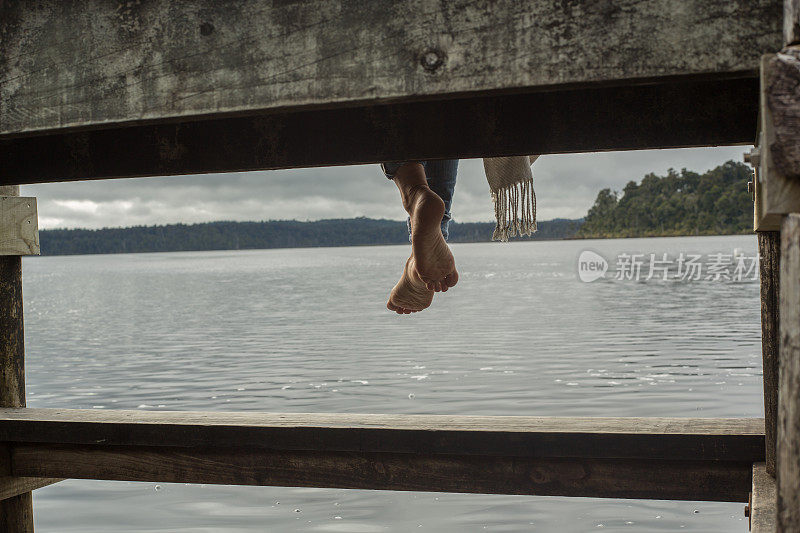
(305, 330)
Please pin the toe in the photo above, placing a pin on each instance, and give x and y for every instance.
(451, 279)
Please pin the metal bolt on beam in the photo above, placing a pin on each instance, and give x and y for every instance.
(753, 157)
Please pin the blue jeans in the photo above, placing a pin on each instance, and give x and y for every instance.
(441, 174)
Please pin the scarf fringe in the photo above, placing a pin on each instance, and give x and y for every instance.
(514, 211)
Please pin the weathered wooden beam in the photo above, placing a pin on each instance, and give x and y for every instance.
(769, 251)
(12, 348)
(19, 226)
(94, 63)
(788, 457)
(791, 21)
(11, 486)
(602, 478)
(782, 79)
(16, 512)
(667, 115)
(619, 438)
(762, 501)
(664, 458)
(777, 186)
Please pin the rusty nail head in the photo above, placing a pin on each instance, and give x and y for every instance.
(431, 59)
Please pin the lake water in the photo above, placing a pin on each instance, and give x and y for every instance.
(305, 330)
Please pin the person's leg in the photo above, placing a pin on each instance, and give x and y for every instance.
(431, 266)
(441, 175)
(389, 170)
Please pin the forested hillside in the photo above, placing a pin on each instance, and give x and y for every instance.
(685, 203)
(271, 234)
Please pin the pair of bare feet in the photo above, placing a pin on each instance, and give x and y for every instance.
(431, 267)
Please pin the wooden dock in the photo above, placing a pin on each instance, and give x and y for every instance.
(93, 89)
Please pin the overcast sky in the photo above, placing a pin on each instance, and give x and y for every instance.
(566, 186)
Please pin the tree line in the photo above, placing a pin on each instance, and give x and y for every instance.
(680, 203)
(267, 234)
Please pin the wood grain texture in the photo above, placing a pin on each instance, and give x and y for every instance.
(788, 457)
(98, 63)
(791, 21)
(604, 478)
(763, 512)
(11, 486)
(777, 193)
(665, 115)
(16, 512)
(12, 347)
(630, 438)
(19, 226)
(769, 251)
(782, 73)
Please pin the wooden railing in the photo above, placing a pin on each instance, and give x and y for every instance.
(92, 90)
(671, 458)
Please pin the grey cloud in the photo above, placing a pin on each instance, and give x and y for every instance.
(566, 186)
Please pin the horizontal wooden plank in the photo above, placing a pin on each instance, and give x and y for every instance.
(96, 63)
(540, 437)
(19, 226)
(763, 501)
(666, 115)
(604, 478)
(11, 486)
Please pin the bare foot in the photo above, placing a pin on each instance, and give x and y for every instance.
(410, 294)
(434, 261)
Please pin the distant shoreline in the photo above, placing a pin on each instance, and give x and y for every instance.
(227, 235)
(286, 234)
(659, 236)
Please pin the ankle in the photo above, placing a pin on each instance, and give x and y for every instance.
(412, 194)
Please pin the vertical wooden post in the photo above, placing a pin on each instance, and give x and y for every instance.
(788, 457)
(769, 250)
(791, 21)
(16, 514)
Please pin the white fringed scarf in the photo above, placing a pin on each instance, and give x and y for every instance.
(511, 182)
